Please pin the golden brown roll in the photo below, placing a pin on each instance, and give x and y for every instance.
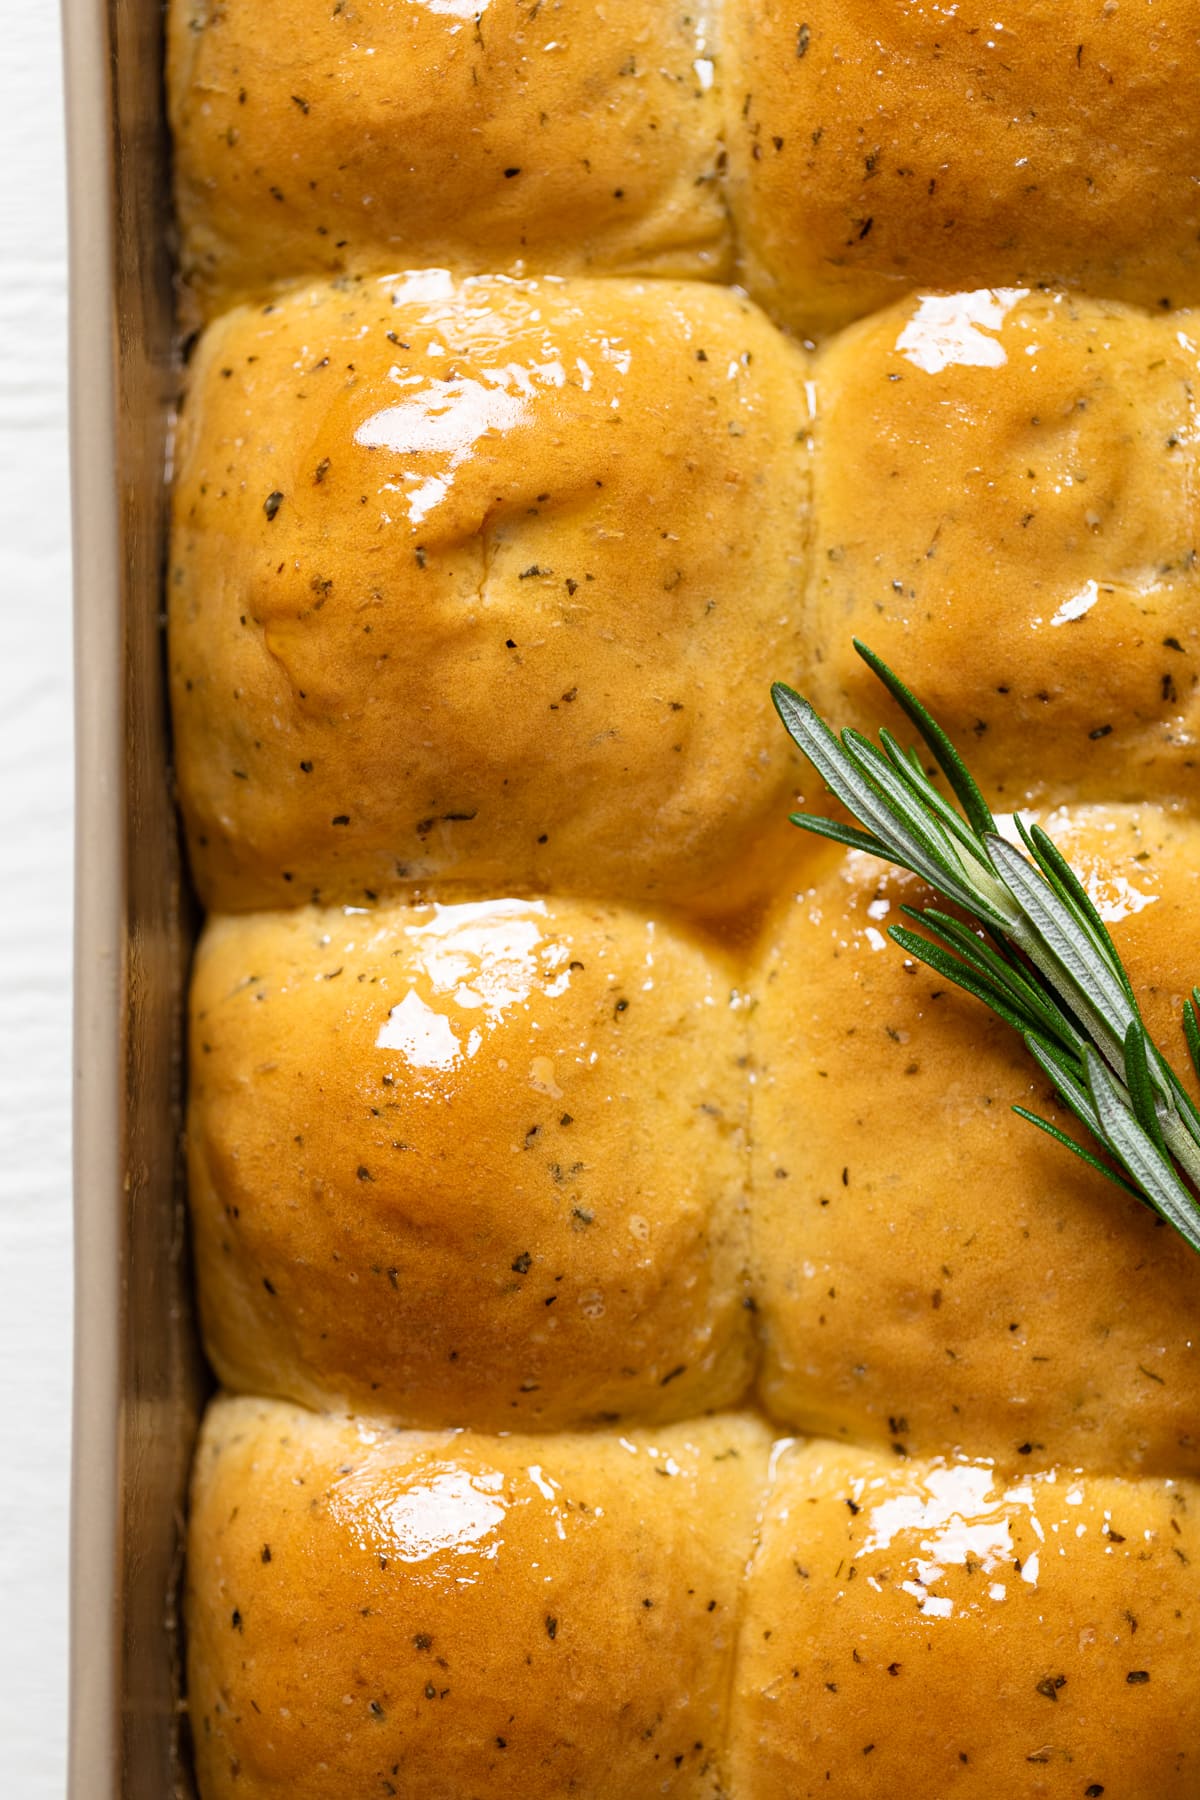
(487, 583)
(928, 1629)
(436, 1616)
(876, 146)
(478, 1164)
(1027, 561)
(312, 138)
(933, 1273)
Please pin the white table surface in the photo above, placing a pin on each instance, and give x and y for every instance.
(35, 908)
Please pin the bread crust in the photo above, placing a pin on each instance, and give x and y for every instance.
(464, 1617)
(485, 583)
(1028, 560)
(314, 138)
(475, 1164)
(929, 1628)
(881, 146)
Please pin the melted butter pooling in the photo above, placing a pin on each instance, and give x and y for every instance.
(477, 957)
(948, 330)
(440, 1509)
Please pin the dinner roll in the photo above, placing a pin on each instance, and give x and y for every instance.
(313, 137)
(932, 1272)
(475, 1164)
(487, 583)
(1028, 559)
(928, 1629)
(439, 1616)
(876, 146)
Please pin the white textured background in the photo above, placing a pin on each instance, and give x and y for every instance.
(35, 908)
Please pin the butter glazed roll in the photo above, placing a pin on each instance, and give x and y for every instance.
(313, 137)
(877, 146)
(487, 583)
(932, 1272)
(929, 1629)
(476, 1164)
(1028, 559)
(437, 1616)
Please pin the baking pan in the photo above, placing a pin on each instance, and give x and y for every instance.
(138, 1380)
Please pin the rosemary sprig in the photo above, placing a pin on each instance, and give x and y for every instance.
(1035, 950)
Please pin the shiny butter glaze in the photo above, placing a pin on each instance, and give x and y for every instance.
(1028, 557)
(445, 1615)
(936, 1628)
(471, 1164)
(876, 146)
(931, 1272)
(486, 583)
(314, 137)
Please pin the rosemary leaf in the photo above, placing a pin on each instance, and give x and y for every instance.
(1150, 1170)
(846, 835)
(834, 762)
(1191, 1028)
(853, 789)
(1054, 941)
(1180, 1131)
(899, 790)
(1137, 1080)
(1054, 865)
(948, 759)
(811, 734)
(909, 768)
